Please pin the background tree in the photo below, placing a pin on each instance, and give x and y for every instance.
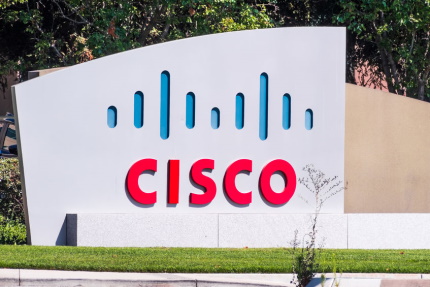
(37, 34)
(387, 41)
(398, 32)
(287, 13)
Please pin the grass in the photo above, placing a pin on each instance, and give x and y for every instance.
(207, 260)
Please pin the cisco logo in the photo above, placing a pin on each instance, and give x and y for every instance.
(197, 177)
(190, 112)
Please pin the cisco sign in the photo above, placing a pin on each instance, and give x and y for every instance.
(218, 124)
(209, 186)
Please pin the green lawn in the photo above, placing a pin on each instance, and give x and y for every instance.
(207, 260)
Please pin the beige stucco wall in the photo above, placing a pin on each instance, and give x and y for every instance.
(387, 152)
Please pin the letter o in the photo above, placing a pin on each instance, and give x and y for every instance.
(290, 182)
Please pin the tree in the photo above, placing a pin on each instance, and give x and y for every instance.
(287, 13)
(37, 34)
(303, 12)
(387, 41)
(399, 30)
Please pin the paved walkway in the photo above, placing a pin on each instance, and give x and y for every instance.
(24, 277)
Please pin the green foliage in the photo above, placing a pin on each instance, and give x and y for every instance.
(12, 227)
(11, 202)
(208, 17)
(399, 31)
(44, 34)
(7, 3)
(387, 40)
(304, 265)
(12, 232)
(303, 12)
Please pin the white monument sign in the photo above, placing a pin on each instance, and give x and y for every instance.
(212, 125)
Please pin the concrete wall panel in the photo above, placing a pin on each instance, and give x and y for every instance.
(353, 231)
(137, 230)
(277, 230)
(388, 231)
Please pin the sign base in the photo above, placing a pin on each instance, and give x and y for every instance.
(354, 231)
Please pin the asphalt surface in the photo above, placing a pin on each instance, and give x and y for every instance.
(25, 277)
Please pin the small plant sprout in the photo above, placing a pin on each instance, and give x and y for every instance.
(304, 259)
(336, 280)
(323, 280)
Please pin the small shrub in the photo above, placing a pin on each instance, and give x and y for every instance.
(304, 265)
(12, 232)
(11, 203)
(12, 222)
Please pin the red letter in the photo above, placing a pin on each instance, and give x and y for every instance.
(133, 181)
(173, 189)
(229, 181)
(290, 181)
(206, 182)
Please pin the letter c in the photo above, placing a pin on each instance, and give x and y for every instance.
(229, 181)
(133, 181)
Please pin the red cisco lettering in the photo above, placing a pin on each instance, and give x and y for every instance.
(173, 190)
(290, 181)
(133, 181)
(203, 181)
(229, 181)
(209, 186)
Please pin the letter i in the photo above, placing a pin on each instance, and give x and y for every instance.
(173, 184)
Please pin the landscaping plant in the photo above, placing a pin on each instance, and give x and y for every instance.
(304, 258)
(12, 232)
(12, 222)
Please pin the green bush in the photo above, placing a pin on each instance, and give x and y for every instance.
(11, 203)
(12, 222)
(12, 232)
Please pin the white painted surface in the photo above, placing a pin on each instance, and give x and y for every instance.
(75, 163)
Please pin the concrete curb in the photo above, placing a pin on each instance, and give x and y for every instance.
(25, 277)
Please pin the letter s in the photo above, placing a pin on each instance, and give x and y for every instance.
(206, 182)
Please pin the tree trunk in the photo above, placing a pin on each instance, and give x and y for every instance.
(386, 68)
(150, 24)
(421, 89)
(394, 74)
(384, 59)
